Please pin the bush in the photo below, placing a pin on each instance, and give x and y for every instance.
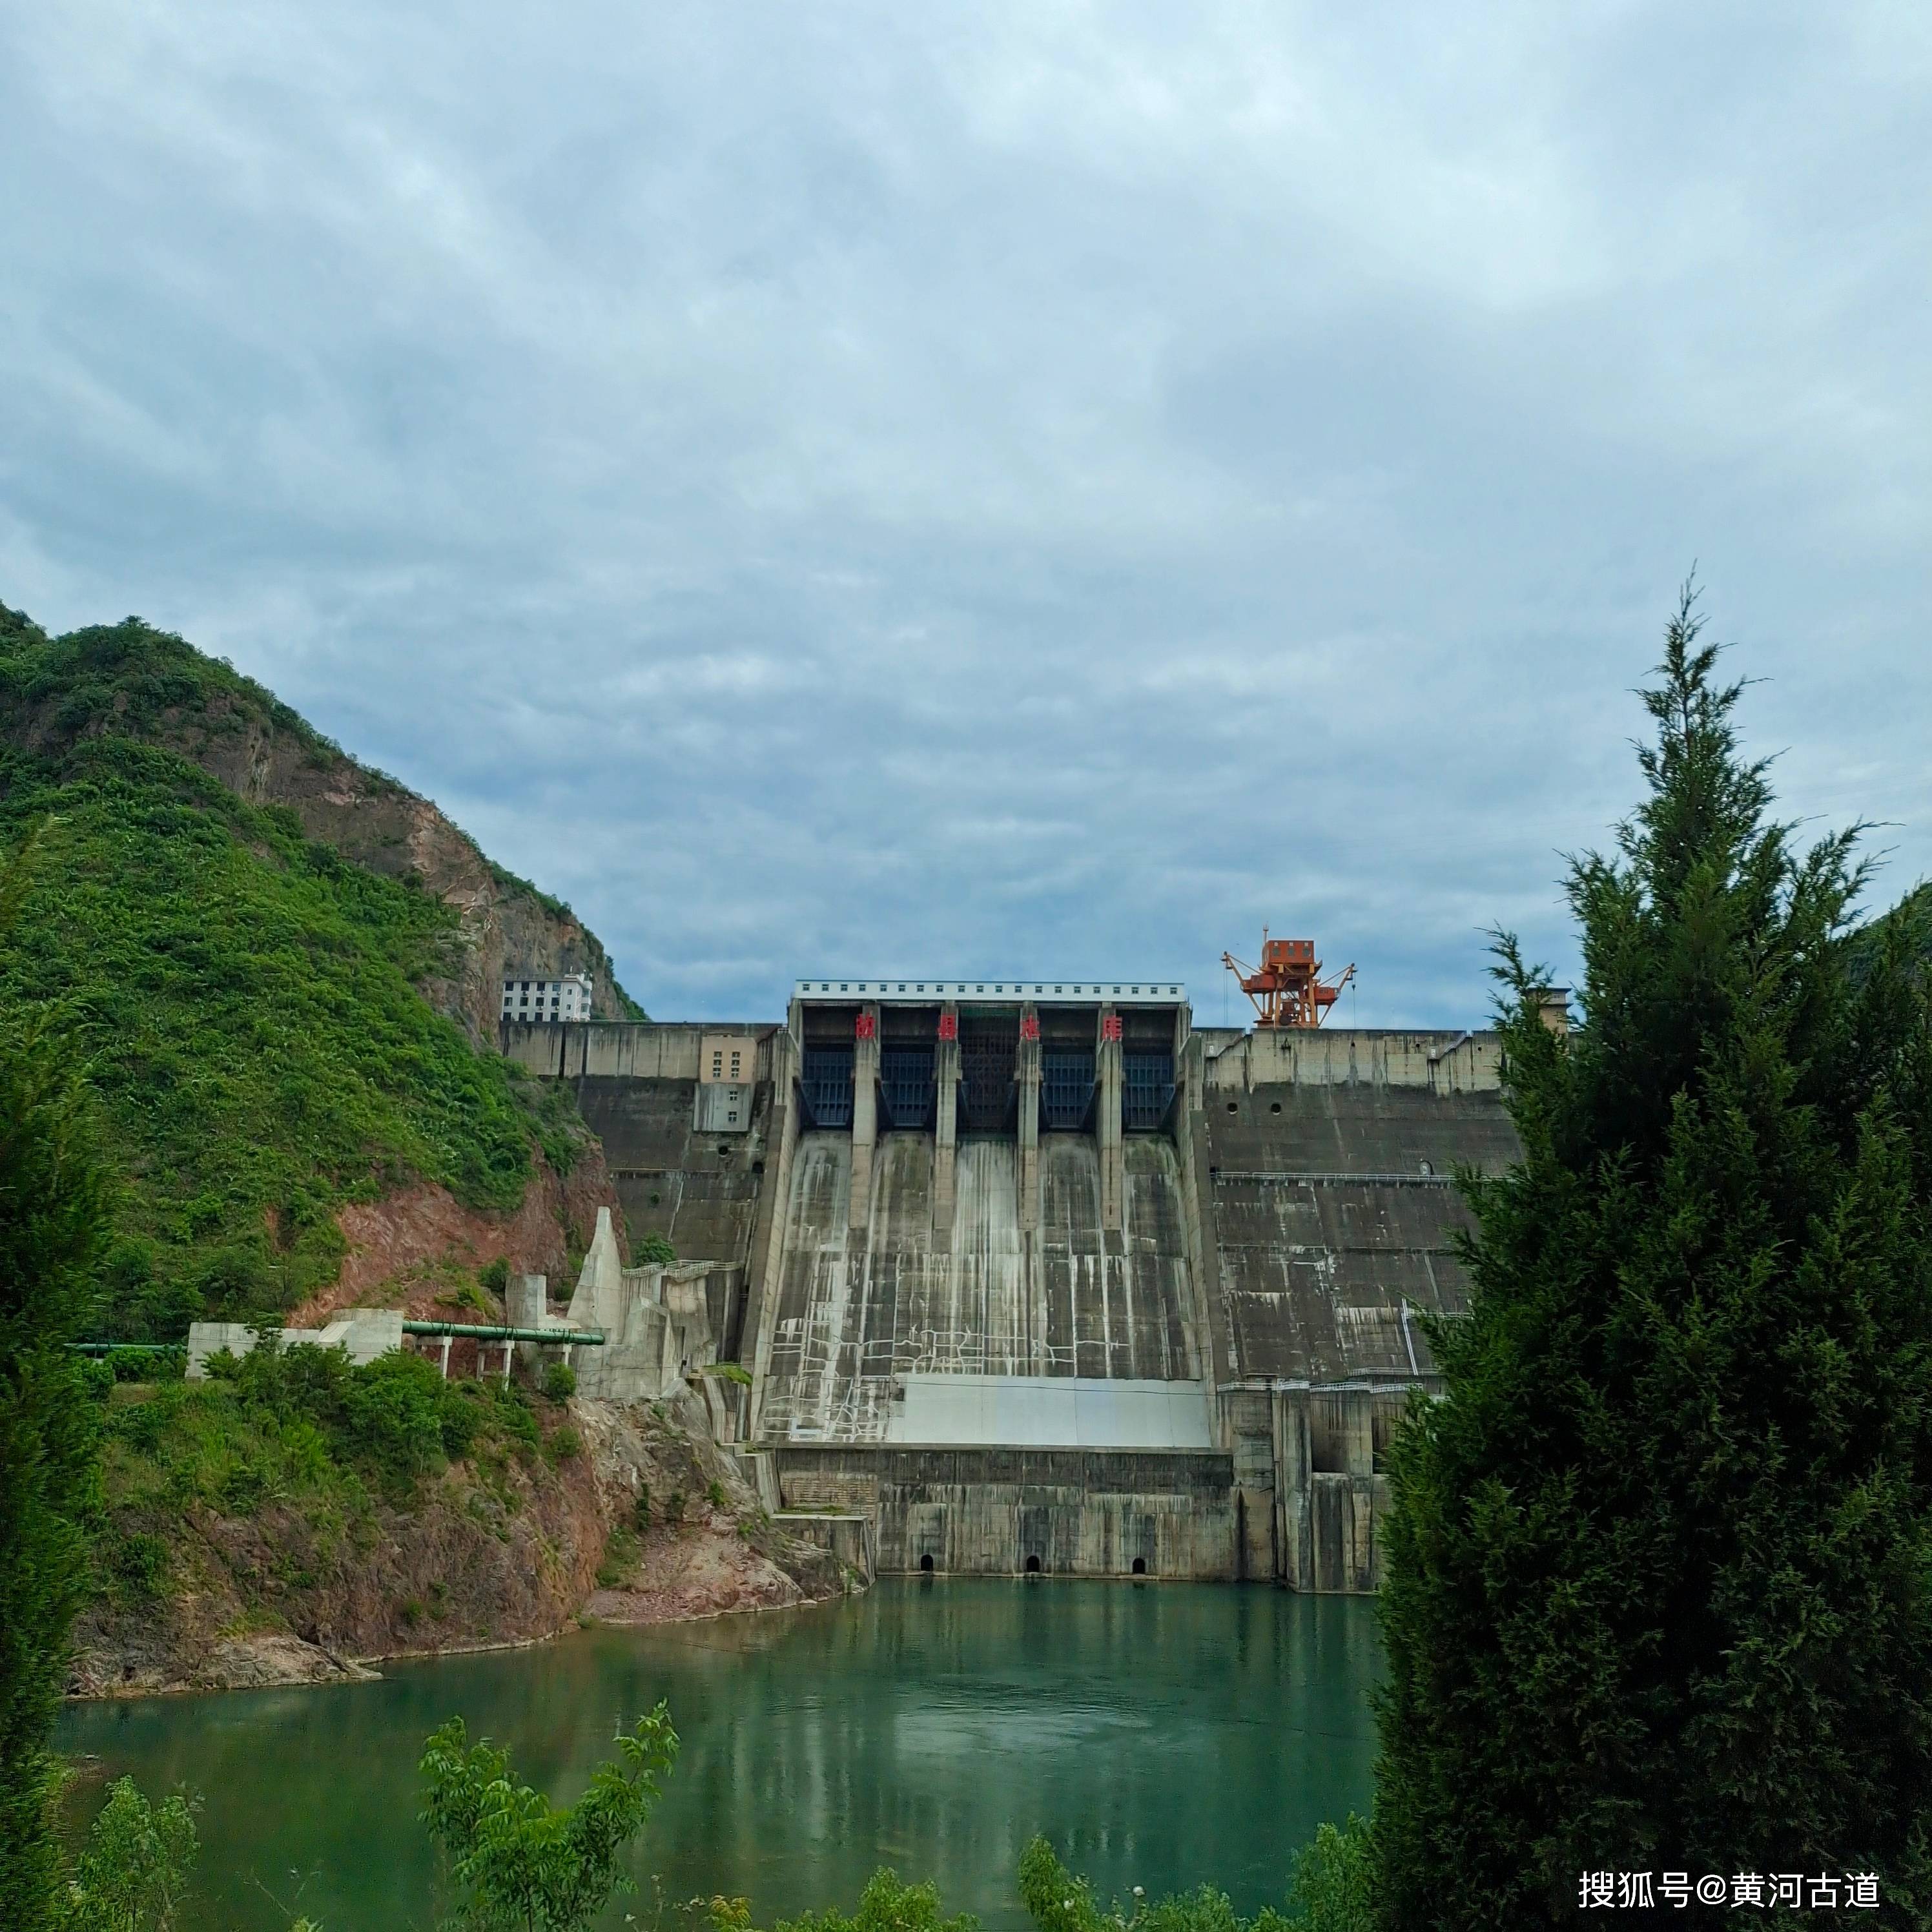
(885, 1905)
(494, 1276)
(653, 1251)
(516, 1859)
(462, 1416)
(559, 1382)
(1056, 1901)
(620, 1558)
(303, 1422)
(165, 1362)
(563, 1445)
(137, 1563)
(512, 1414)
(393, 1413)
(132, 1874)
(1334, 1877)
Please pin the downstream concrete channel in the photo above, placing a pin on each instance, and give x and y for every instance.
(1160, 1734)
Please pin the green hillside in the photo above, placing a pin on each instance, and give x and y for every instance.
(246, 998)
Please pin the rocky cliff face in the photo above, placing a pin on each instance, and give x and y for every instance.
(507, 925)
(406, 1249)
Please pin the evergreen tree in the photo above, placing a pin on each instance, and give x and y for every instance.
(51, 1224)
(1659, 1593)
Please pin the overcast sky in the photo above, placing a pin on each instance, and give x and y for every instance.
(1014, 488)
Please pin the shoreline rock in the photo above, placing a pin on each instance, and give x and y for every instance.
(447, 1576)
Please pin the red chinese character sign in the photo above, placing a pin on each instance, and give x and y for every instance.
(949, 1026)
(1110, 1026)
(1029, 1026)
(867, 1027)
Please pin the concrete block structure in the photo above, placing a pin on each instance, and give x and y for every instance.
(567, 999)
(662, 1327)
(365, 1334)
(1036, 1273)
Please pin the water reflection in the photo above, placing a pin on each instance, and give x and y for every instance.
(1159, 1734)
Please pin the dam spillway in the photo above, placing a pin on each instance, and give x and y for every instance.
(867, 1317)
(1043, 1275)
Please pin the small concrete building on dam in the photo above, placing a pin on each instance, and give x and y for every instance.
(1040, 1275)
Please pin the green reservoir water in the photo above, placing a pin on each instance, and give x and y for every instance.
(1159, 1734)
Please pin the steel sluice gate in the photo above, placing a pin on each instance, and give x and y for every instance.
(907, 1085)
(1066, 1087)
(1146, 1089)
(986, 1055)
(825, 1085)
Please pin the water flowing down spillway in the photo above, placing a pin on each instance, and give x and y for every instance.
(862, 1310)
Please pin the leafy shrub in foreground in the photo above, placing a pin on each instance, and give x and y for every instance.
(132, 1873)
(513, 1857)
(885, 1905)
(1056, 1901)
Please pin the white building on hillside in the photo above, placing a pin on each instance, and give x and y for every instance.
(566, 999)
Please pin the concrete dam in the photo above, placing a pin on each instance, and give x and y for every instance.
(1040, 1275)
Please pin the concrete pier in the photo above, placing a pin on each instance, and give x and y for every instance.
(945, 1121)
(865, 1113)
(1026, 1080)
(1107, 1123)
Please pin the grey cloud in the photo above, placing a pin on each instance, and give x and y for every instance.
(1029, 489)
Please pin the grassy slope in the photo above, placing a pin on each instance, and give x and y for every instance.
(245, 998)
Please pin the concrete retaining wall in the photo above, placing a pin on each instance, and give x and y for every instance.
(849, 1537)
(623, 1050)
(986, 1512)
(698, 1188)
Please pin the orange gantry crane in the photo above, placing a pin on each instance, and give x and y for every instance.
(1288, 990)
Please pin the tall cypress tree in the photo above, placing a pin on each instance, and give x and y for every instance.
(1659, 1592)
(51, 1221)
